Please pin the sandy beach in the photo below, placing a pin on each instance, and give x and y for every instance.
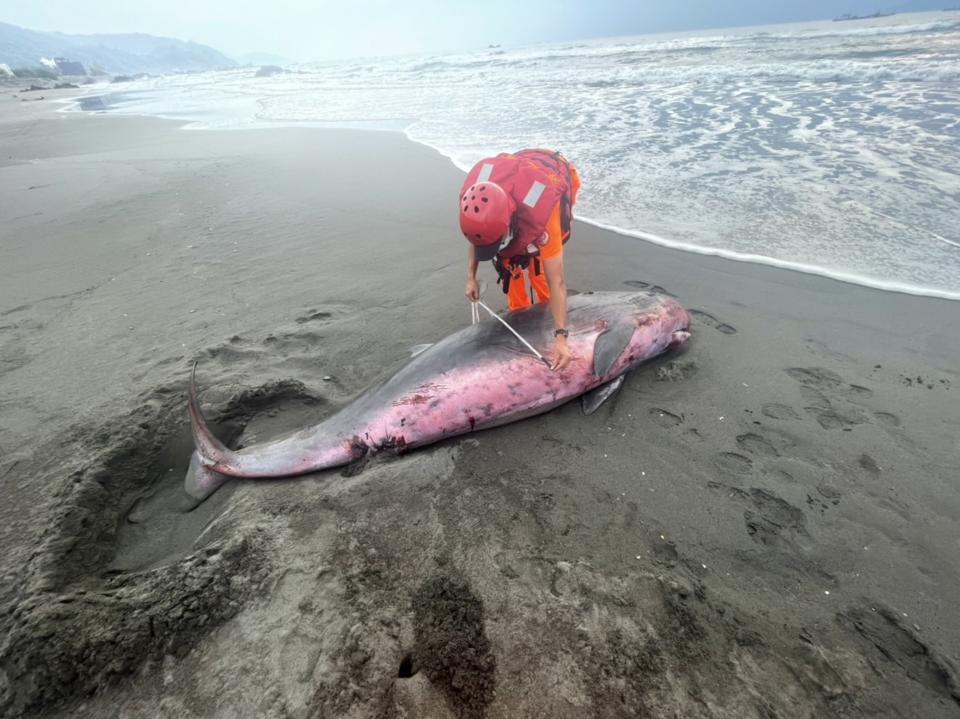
(765, 523)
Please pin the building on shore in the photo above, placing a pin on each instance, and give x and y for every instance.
(69, 67)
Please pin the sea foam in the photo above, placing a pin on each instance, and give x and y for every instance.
(824, 147)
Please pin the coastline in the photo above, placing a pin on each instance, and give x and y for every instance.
(787, 467)
(404, 130)
(837, 276)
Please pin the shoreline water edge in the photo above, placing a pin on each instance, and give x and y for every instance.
(626, 232)
(803, 146)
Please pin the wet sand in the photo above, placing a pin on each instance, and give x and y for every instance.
(763, 524)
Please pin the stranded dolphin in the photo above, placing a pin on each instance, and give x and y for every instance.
(477, 378)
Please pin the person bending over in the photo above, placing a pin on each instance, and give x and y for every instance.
(516, 209)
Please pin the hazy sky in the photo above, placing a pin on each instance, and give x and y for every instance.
(321, 29)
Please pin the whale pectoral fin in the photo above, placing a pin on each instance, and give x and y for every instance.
(591, 401)
(610, 345)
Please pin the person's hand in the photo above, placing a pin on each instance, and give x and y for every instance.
(472, 290)
(563, 356)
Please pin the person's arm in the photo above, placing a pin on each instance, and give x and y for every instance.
(472, 290)
(553, 268)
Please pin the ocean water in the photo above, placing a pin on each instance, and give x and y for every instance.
(829, 147)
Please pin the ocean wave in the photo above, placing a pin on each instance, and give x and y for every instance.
(588, 52)
(636, 51)
(939, 26)
(750, 145)
(445, 64)
(643, 70)
(849, 277)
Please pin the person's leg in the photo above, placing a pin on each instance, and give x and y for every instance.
(538, 280)
(554, 246)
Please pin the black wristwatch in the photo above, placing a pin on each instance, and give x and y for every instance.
(561, 333)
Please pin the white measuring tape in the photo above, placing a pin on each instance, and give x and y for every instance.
(475, 317)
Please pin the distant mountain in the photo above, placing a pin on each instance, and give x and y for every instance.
(263, 58)
(129, 53)
(872, 16)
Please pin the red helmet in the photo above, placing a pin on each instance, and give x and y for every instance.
(485, 213)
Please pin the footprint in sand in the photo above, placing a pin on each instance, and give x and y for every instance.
(735, 463)
(893, 646)
(835, 419)
(774, 520)
(769, 519)
(665, 553)
(823, 349)
(818, 377)
(779, 476)
(313, 316)
(296, 347)
(665, 418)
(870, 464)
(302, 341)
(887, 418)
(824, 498)
(859, 392)
(236, 350)
(819, 386)
(821, 379)
(755, 444)
(830, 493)
(814, 397)
(710, 321)
(779, 411)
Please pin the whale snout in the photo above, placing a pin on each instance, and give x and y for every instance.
(678, 338)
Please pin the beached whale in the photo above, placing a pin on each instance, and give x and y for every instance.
(476, 378)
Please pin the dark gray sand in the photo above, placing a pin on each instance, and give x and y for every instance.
(762, 525)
